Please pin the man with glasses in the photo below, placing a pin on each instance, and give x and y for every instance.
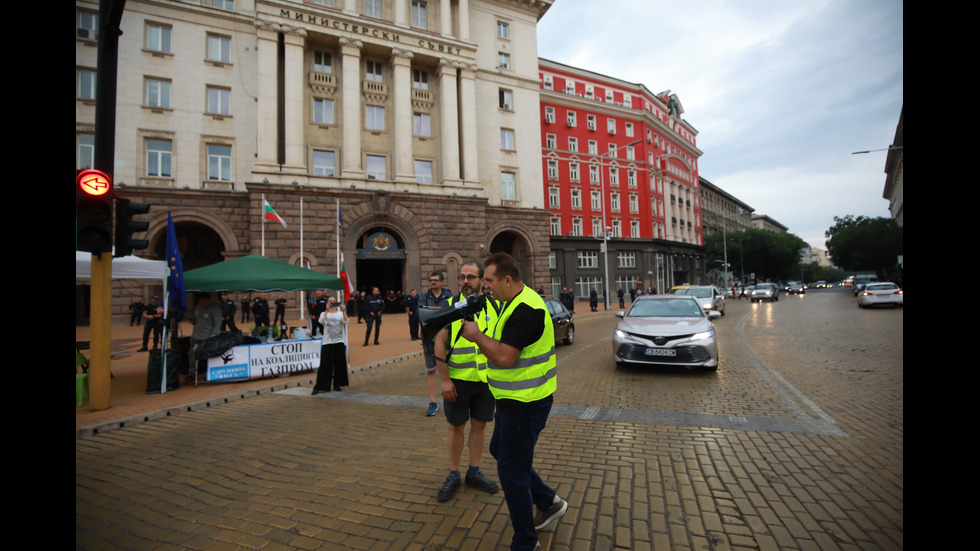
(466, 395)
(437, 297)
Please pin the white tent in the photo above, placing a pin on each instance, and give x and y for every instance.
(127, 267)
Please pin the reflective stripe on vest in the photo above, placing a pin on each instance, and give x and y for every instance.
(533, 376)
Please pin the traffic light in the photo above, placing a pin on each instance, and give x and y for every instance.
(93, 211)
(126, 227)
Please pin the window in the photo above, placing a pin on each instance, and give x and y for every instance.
(593, 173)
(553, 262)
(548, 82)
(158, 93)
(323, 163)
(550, 141)
(612, 150)
(573, 144)
(157, 37)
(507, 139)
(219, 162)
(576, 227)
(419, 16)
(588, 259)
(593, 147)
(219, 49)
(552, 169)
(506, 99)
(374, 117)
(323, 111)
(626, 260)
(553, 198)
(613, 176)
(629, 130)
(508, 186)
(611, 125)
(634, 203)
(571, 119)
(596, 201)
(373, 71)
(322, 62)
(503, 30)
(421, 124)
(556, 226)
(420, 79)
(159, 156)
(549, 115)
(86, 151)
(596, 227)
(224, 4)
(373, 8)
(573, 171)
(577, 199)
(423, 171)
(630, 153)
(377, 167)
(617, 228)
(614, 202)
(503, 60)
(592, 123)
(86, 84)
(88, 25)
(634, 228)
(631, 177)
(586, 284)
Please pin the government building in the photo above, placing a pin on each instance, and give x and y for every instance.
(417, 120)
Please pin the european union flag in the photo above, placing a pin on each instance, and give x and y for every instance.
(175, 283)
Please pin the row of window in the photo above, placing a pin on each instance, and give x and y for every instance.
(576, 200)
(573, 173)
(616, 230)
(551, 142)
(590, 259)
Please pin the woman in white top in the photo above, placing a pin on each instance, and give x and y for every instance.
(333, 353)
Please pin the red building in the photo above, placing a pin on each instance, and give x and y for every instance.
(618, 159)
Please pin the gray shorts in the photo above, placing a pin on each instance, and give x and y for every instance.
(430, 362)
(473, 399)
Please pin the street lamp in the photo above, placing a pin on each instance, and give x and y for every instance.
(605, 227)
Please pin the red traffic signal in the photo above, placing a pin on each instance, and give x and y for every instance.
(93, 211)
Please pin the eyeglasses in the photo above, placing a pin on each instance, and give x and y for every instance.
(468, 277)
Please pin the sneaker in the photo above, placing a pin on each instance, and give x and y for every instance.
(479, 480)
(433, 408)
(555, 512)
(449, 488)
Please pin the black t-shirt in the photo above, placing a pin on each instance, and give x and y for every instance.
(524, 327)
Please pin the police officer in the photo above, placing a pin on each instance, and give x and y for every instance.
(318, 308)
(228, 310)
(260, 307)
(465, 391)
(136, 312)
(374, 306)
(521, 373)
(153, 315)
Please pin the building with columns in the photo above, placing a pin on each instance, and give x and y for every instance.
(621, 163)
(413, 118)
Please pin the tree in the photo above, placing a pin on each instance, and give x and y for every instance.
(865, 244)
(769, 255)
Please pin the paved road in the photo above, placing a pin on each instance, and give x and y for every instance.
(795, 443)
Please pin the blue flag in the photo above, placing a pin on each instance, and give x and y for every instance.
(175, 283)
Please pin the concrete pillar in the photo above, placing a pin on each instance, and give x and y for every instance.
(350, 53)
(467, 103)
(404, 165)
(449, 113)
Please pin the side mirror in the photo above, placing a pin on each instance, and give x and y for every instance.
(620, 314)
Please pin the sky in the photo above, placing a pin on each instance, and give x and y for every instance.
(781, 92)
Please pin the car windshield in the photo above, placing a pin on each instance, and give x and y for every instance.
(882, 287)
(661, 308)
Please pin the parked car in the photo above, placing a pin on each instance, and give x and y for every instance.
(561, 318)
(881, 294)
(764, 291)
(666, 330)
(795, 288)
(708, 296)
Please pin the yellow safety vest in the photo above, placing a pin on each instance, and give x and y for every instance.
(465, 361)
(533, 376)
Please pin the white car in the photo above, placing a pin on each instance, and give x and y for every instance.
(666, 330)
(880, 294)
(708, 296)
(764, 291)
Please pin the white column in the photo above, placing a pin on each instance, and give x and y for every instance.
(401, 13)
(350, 6)
(445, 18)
(449, 130)
(467, 102)
(294, 92)
(267, 77)
(464, 19)
(401, 62)
(350, 53)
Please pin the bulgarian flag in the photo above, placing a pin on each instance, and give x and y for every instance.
(270, 214)
(348, 288)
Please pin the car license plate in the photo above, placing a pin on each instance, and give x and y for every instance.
(660, 352)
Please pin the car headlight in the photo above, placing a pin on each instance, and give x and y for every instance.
(703, 335)
(621, 334)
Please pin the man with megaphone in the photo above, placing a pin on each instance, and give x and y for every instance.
(521, 374)
(465, 392)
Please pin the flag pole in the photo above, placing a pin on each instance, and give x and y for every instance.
(302, 300)
(263, 224)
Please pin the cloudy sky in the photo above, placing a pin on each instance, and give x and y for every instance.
(781, 92)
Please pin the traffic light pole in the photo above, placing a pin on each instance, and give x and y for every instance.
(110, 14)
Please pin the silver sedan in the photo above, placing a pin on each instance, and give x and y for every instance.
(666, 330)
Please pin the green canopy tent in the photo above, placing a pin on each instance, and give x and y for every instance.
(257, 273)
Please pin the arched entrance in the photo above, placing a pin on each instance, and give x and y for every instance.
(380, 260)
(199, 245)
(517, 246)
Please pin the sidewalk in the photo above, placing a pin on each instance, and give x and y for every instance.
(130, 404)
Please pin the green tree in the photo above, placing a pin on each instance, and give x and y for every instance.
(865, 244)
(769, 255)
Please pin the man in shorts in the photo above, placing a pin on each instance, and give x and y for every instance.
(435, 298)
(466, 395)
